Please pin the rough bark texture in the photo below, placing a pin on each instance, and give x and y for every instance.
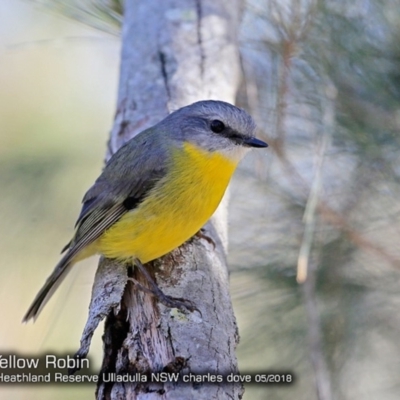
(174, 52)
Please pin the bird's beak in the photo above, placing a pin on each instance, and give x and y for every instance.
(254, 142)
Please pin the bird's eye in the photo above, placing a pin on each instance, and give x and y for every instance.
(217, 126)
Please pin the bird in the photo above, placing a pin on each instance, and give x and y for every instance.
(158, 189)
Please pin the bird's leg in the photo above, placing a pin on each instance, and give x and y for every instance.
(168, 301)
(202, 235)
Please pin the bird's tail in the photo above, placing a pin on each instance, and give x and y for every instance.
(50, 286)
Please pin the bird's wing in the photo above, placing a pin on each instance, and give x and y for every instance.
(124, 183)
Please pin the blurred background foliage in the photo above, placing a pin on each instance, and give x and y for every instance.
(322, 79)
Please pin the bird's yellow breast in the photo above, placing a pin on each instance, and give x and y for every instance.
(175, 209)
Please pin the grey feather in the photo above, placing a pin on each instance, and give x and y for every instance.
(103, 205)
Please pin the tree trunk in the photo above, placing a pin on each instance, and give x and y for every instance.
(174, 52)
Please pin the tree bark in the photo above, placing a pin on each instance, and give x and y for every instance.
(174, 52)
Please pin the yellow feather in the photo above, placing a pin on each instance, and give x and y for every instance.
(176, 208)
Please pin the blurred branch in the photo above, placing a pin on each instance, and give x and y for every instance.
(322, 377)
(291, 33)
(306, 271)
(312, 203)
(104, 15)
(331, 216)
(345, 292)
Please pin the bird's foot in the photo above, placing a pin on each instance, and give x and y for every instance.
(201, 234)
(168, 301)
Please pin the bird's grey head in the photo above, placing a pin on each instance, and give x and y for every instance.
(214, 126)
